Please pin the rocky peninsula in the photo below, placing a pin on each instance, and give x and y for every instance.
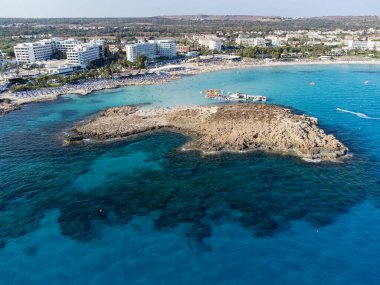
(232, 127)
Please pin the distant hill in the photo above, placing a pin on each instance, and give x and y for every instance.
(180, 24)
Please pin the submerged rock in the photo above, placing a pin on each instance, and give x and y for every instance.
(234, 127)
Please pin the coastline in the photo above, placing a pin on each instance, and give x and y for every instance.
(13, 101)
(251, 63)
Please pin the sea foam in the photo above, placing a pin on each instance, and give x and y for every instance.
(360, 115)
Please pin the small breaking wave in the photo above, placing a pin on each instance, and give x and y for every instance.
(311, 160)
(360, 115)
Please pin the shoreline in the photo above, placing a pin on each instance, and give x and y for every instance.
(250, 63)
(13, 101)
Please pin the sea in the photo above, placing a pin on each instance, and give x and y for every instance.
(141, 211)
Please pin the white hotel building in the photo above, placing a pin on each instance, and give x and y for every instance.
(64, 45)
(250, 41)
(363, 45)
(166, 48)
(210, 41)
(84, 53)
(32, 52)
(352, 45)
(151, 49)
(75, 51)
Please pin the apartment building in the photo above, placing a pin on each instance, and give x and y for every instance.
(151, 49)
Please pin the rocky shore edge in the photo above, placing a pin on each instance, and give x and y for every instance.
(6, 106)
(217, 128)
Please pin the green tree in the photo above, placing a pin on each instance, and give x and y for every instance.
(276, 55)
(105, 72)
(140, 61)
(93, 73)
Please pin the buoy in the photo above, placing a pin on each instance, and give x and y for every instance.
(312, 83)
(366, 82)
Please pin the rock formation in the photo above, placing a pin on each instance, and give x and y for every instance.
(233, 127)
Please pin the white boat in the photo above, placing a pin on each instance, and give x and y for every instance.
(237, 96)
(245, 97)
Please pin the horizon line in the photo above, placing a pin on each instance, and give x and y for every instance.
(191, 15)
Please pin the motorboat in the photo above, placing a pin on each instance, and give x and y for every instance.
(245, 97)
(216, 94)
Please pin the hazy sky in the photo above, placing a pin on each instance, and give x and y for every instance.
(137, 8)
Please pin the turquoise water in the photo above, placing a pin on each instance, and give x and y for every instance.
(142, 212)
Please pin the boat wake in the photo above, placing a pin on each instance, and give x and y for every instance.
(360, 115)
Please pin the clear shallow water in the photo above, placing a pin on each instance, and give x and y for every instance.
(140, 212)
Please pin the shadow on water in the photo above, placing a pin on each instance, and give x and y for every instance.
(366, 71)
(264, 193)
(310, 71)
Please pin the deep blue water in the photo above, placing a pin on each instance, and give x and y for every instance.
(142, 212)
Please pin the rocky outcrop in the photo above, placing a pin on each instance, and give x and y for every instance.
(6, 106)
(234, 127)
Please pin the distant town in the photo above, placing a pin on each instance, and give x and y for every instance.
(27, 57)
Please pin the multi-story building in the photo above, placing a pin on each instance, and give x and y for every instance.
(259, 42)
(250, 41)
(32, 52)
(43, 50)
(140, 49)
(209, 41)
(64, 45)
(166, 48)
(276, 41)
(244, 41)
(374, 45)
(84, 53)
(183, 49)
(214, 44)
(151, 49)
(352, 45)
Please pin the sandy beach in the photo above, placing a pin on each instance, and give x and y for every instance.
(13, 101)
(192, 69)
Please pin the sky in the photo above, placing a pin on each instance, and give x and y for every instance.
(141, 8)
